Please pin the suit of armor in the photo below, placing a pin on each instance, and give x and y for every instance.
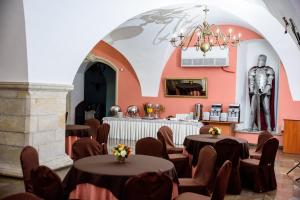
(260, 87)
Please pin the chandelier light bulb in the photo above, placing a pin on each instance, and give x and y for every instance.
(240, 35)
(230, 30)
(218, 30)
(234, 37)
(198, 34)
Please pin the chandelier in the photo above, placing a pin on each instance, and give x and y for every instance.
(207, 37)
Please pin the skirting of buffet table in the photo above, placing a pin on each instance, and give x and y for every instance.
(136, 128)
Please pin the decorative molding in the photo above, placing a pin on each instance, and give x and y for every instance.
(26, 86)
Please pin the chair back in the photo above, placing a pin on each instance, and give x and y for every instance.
(46, 183)
(103, 133)
(222, 180)
(165, 135)
(204, 129)
(262, 138)
(206, 164)
(22, 196)
(269, 151)
(94, 124)
(85, 147)
(228, 149)
(149, 146)
(148, 186)
(29, 159)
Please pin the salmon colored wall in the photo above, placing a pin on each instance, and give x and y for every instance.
(221, 82)
(288, 109)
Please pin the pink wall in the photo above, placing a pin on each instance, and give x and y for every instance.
(288, 109)
(221, 83)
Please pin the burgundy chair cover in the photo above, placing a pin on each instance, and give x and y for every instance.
(149, 146)
(220, 187)
(204, 129)
(102, 136)
(94, 124)
(200, 183)
(165, 134)
(148, 186)
(259, 174)
(262, 138)
(85, 147)
(229, 149)
(180, 161)
(46, 183)
(29, 159)
(22, 196)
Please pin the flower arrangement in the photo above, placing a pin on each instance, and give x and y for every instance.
(121, 152)
(215, 131)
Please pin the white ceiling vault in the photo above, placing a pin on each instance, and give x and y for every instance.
(60, 33)
(144, 39)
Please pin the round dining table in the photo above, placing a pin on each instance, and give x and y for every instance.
(73, 132)
(194, 143)
(105, 172)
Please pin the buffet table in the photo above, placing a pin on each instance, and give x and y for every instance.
(136, 128)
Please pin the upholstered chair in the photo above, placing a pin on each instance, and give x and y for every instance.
(29, 160)
(262, 138)
(180, 161)
(46, 183)
(94, 124)
(102, 136)
(204, 129)
(200, 183)
(22, 196)
(259, 174)
(149, 146)
(220, 186)
(85, 147)
(165, 134)
(229, 149)
(150, 186)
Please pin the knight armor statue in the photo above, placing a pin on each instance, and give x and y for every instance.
(260, 88)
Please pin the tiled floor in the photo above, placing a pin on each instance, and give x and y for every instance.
(287, 188)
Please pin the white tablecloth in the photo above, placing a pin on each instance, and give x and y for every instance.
(134, 129)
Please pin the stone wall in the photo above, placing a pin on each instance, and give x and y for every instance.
(32, 114)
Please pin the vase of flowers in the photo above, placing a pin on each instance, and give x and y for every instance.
(215, 132)
(121, 152)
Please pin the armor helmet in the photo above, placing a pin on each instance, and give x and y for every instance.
(262, 59)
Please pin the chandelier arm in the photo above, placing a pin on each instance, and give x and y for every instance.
(190, 39)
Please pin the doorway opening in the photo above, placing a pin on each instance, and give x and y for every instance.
(99, 93)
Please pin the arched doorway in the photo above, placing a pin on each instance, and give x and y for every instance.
(99, 92)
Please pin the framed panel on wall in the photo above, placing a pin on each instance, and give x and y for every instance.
(186, 87)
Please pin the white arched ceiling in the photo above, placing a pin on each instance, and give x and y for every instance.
(144, 39)
(59, 34)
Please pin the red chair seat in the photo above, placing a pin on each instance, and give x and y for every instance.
(178, 157)
(255, 155)
(250, 162)
(192, 196)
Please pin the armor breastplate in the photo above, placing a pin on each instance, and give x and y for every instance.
(261, 78)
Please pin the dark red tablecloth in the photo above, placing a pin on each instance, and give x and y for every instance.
(193, 144)
(104, 171)
(77, 130)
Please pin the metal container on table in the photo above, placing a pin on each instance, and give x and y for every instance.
(198, 112)
(114, 110)
(133, 111)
